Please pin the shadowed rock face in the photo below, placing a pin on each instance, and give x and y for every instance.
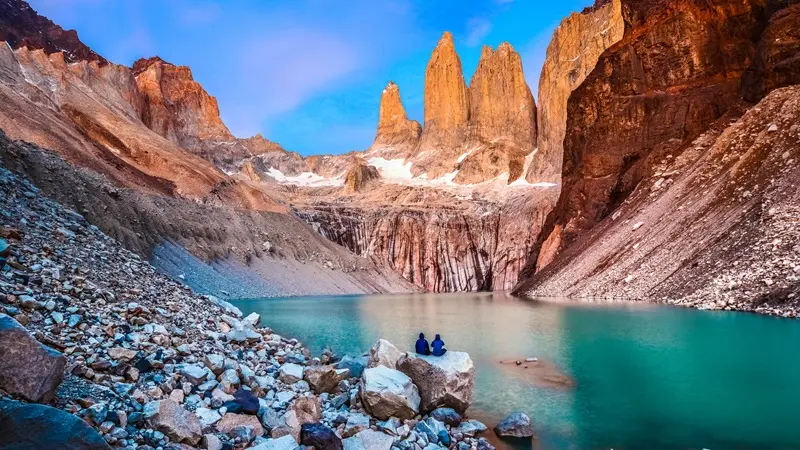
(576, 45)
(676, 71)
(446, 111)
(397, 136)
(360, 176)
(21, 26)
(502, 121)
(777, 62)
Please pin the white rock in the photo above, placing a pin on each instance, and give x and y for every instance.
(290, 373)
(284, 443)
(384, 353)
(389, 393)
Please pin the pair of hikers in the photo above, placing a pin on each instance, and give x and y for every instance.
(437, 345)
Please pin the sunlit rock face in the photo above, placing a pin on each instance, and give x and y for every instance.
(502, 119)
(659, 87)
(446, 112)
(397, 136)
(576, 45)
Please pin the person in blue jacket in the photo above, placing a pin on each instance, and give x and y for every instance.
(422, 345)
(438, 346)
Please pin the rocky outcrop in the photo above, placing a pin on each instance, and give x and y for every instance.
(29, 370)
(446, 112)
(777, 61)
(397, 136)
(712, 226)
(664, 83)
(21, 26)
(444, 381)
(502, 118)
(389, 393)
(573, 51)
(360, 176)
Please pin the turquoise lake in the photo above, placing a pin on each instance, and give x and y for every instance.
(644, 376)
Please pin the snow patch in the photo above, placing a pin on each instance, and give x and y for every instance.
(305, 179)
(392, 169)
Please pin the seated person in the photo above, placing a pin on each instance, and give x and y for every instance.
(438, 346)
(422, 345)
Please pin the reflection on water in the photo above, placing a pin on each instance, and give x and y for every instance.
(644, 376)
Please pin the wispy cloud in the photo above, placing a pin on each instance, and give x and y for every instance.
(477, 30)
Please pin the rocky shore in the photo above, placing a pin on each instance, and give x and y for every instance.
(129, 358)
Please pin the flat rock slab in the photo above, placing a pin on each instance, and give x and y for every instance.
(28, 369)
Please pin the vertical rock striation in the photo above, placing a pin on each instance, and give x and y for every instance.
(502, 118)
(777, 62)
(397, 136)
(572, 54)
(446, 112)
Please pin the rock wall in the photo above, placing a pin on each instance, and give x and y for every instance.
(678, 69)
(777, 62)
(502, 118)
(572, 54)
(438, 250)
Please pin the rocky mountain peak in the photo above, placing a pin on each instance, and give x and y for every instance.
(21, 26)
(446, 110)
(397, 136)
(177, 106)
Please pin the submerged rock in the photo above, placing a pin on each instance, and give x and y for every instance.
(28, 369)
(517, 425)
(443, 381)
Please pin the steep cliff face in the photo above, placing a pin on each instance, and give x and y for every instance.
(502, 118)
(397, 136)
(572, 54)
(777, 61)
(677, 70)
(438, 249)
(21, 26)
(446, 112)
(713, 226)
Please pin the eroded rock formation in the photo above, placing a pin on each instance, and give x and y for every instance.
(502, 119)
(677, 70)
(576, 45)
(777, 61)
(360, 176)
(397, 136)
(446, 112)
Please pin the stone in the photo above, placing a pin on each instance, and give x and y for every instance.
(355, 424)
(282, 443)
(174, 421)
(320, 437)
(443, 381)
(308, 409)
(368, 440)
(215, 363)
(28, 369)
(388, 392)
(247, 402)
(122, 354)
(30, 426)
(355, 364)
(231, 423)
(290, 373)
(516, 425)
(207, 417)
(193, 373)
(322, 378)
(470, 428)
(212, 442)
(360, 176)
(447, 415)
(384, 353)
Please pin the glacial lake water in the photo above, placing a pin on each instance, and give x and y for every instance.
(643, 376)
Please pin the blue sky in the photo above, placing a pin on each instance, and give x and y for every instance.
(309, 73)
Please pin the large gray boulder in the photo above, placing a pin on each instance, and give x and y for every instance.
(384, 353)
(389, 393)
(170, 418)
(516, 425)
(28, 369)
(443, 381)
(34, 427)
